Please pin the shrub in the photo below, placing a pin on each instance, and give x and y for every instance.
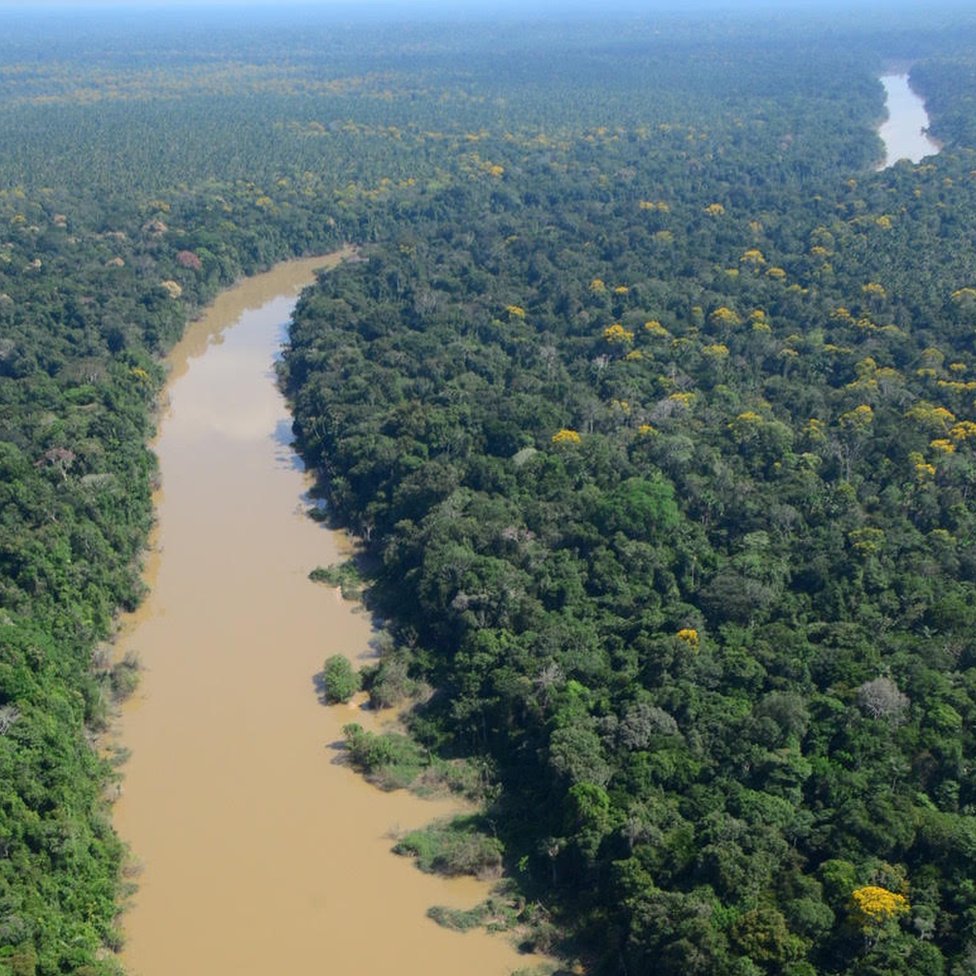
(390, 760)
(340, 680)
(454, 847)
(124, 677)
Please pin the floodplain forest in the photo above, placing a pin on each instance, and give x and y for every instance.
(651, 399)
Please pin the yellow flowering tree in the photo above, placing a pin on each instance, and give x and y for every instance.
(654, 328)
(689, 637)
(566, 436)
(617, 335)
(928, 415)
(873, 290)
(724, 318)
(872, 907)
(857, 420)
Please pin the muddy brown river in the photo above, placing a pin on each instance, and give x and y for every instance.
(260, 854)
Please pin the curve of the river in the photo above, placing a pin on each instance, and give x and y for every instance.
(904, 131)
(260, 853)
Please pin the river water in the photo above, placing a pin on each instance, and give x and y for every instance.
(903, 132)
(260, 854)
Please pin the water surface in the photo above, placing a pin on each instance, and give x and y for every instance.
(904, 131)
(260, 854)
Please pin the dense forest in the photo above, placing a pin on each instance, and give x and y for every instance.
(653, 403)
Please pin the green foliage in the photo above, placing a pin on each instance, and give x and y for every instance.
(345, 575)
(674, 247)
(340, 680)
(715, 643)
(390, 759)
(124, 677)
(454, 847)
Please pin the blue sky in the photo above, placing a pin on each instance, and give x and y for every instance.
(461, 5)
(483, 8)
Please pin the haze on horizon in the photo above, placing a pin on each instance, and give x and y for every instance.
(489, 7)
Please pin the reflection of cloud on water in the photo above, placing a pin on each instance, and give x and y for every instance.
(222, 399)
(283, 433)
(284, 439)
(247, 423)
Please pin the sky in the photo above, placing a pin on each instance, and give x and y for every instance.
(455, 5)
(482, 9)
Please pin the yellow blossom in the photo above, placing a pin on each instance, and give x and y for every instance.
(963, 430)
(616, 334)
(715, 210)
(858, 418)
(656, 329)
(566, 436)
(689, 635)
(929, 415)
(873, 905)
(515, 311)
(724, 316)
(814, 428)
(942, 444)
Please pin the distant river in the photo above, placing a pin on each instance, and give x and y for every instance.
(903, 132)
(261, 855)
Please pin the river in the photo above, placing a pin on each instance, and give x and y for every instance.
(260, 853)
(904, 130)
